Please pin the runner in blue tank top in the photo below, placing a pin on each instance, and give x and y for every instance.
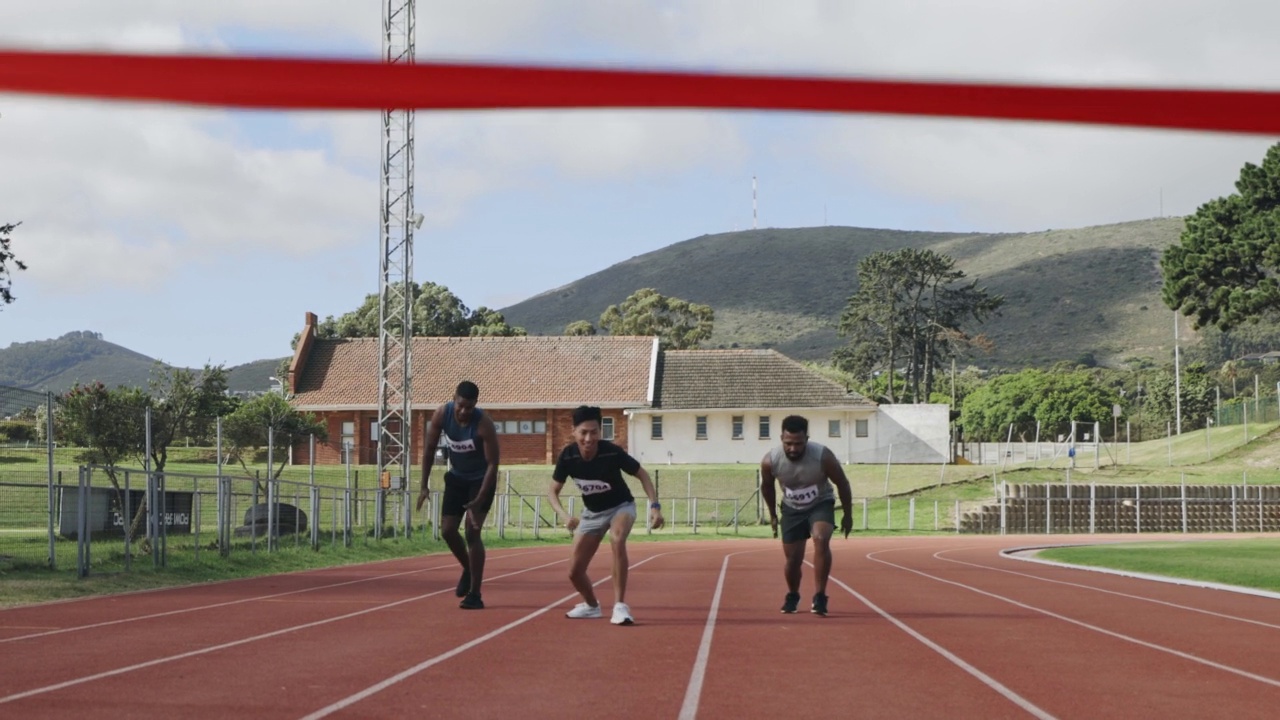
(806, 471)
(469, 484)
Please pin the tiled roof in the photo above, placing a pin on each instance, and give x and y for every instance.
(692, 379)
(511, 371)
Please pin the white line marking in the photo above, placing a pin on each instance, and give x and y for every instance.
(235, 643)
(986, 679)
(693, 693)
(1095, 628)
(167, 613)
(1166, 603)
(407, 673)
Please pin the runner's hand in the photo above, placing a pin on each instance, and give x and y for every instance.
(656, 520)
(846, 523)
(571, 524)
(422, 498)
(471, 516)
(773, 521)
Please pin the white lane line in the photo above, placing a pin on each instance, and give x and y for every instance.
(1095, 628)
(409, 672)
(242, 641)
(211, 606)
(956, 660)
(1166, 603)
(693, 694)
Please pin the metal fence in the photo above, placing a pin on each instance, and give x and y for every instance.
(1093, 508)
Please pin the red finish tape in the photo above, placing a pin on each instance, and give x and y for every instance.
(327, 84)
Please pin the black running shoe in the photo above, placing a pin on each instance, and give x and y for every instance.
(819, 604)
(464, 584)
(789, 605)
(472, 602)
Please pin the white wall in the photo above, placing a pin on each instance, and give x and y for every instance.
(918, 434)
(679, 444)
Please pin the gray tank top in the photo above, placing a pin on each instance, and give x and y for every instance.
(804, 482)
(466, 448)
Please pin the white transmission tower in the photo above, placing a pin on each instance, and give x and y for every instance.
(395, 305)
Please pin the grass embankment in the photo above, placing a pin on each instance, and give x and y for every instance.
(1247, 563)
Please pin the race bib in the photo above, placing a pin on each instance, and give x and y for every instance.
(801, 496)
(592, 487)
(461, 446)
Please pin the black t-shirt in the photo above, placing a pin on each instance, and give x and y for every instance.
(600, 478)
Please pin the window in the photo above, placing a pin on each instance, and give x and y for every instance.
(348, 438)
(737, 427)
(860, 428)
(764, 427)
(700, 427)
(520, 427)
(655, 427)
(833, 428)
(373, 430)
(606, 429)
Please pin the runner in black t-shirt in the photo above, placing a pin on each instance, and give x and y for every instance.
(596, 467)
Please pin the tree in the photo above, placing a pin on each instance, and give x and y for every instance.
(579, 328)
(1197, 403)
(245, 430)
(910, 306)
(7, 257)
(108, 423)
(491, 323)
(678, 324)
(1223, 270)
(436, 312)
(1033, 399)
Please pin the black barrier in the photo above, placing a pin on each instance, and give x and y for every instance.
(106, 517)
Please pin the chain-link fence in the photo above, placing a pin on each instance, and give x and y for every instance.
(27, 478)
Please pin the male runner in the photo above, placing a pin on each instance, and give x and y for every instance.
(596, 467)
(469, 484)
(806, 471)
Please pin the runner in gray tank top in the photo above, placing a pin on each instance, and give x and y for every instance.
(806, 471)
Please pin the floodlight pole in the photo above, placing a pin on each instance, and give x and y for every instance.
(395, 279)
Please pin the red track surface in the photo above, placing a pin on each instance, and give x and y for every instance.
(919, 627)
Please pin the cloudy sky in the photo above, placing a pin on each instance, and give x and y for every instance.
(200, 235)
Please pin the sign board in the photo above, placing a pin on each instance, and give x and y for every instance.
(107, 519)
(384, 482)
(1115, 410)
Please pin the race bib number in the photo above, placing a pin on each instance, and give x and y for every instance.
(461, 446)
(801, 496)
(592, 487)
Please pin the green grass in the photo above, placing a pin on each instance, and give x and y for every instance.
(1245, 563)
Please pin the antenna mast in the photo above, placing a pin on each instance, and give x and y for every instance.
(395, 304)
(753, 203)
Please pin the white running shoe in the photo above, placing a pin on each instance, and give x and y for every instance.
(622, 615)
(583, 610)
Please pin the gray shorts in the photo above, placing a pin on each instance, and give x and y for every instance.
(597, 523)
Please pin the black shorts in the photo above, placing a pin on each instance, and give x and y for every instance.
(458, 492)
(797, 525)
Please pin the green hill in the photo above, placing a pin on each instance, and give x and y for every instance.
(1069, 293)
(83, 356)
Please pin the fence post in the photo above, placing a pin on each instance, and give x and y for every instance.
(1184, 503)
(48, 442)
(1093, 508)
(911, 513)
(957, 516)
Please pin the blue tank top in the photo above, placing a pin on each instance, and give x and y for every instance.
(466, 448)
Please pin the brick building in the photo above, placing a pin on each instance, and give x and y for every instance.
(529, 385)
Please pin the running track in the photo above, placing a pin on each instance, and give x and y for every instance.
(920, 627)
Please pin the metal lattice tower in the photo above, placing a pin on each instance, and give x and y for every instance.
(395, 306)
